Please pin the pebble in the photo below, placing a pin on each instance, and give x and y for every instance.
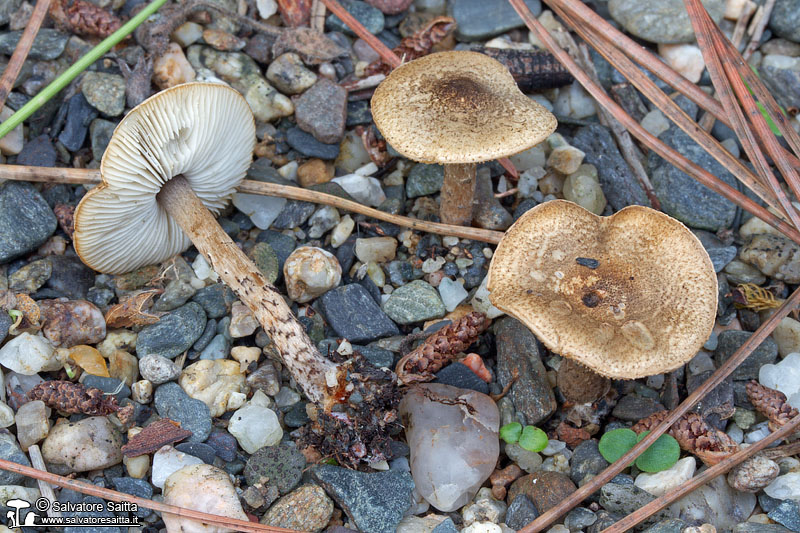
(281, 465)
(306, 509)
(526, 460)
(424, 180)
(477, 20)
(785, 20)
(787, 336)
(655, 122)
(685, 59)
(26, 220)
(204, 488)
(633, 408)
(174, 333)
(310, 272)
(12, 143)
(254, 427)
(28, 354)
(574, 102)
(375, 502)
(158, 369)
(306, 144)
(314, 172)
(681, 196)
(376, 249)
(452, 454)
(10, 451)
(485, 508)
(363, 189)
(172, 402)
(531, 391)
(72, 322)
(414, 302)
(167, 461)
(135, 487)
(31, 277)
(89, 444)
(586, 192)
(579, 518)
(753, 474)
(214, 382)
(660, 483)
(785, 377)
(354, 315)
(731, 340)
(293, 214)
(774, 256)
(787, 514)
(262, 210)
(620, 185)
(660, 21)
(715, 503)
(521, 512)
(6, 10)
(544, 489)
(104, 92)
(243, 323)
(785, 487)
(371, 18)
(488, 212)
(625, 499)
(48, 44)
(738, 273)
(459, 375)
(37, 152)
(79, 115)
(142, 391)
(32, 423)
(322, 110)
(171, 68)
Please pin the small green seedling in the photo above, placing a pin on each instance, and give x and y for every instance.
(661, 455)
(511, 432)
(533, 439)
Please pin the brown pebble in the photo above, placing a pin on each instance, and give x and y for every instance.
(314, 172)
(545, 489)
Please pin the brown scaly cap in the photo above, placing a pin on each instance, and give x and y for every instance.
(457, 107)
(630, 295)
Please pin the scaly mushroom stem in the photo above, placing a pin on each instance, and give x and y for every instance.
(301, 357)
(458, 191)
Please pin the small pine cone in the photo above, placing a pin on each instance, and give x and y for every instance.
(770, 403)
(694, 435)
(438, 349)
(74, 398)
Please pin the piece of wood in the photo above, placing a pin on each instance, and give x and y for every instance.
(44, 487)
(298, 352)
(23, 48)
(458, 194)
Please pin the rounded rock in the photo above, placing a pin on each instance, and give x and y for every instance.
(754, 474)
(310, 272)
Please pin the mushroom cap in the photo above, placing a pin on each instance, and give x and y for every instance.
(457, 107)
(630, 295)
(204, 131)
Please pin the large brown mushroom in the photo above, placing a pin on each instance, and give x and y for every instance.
(630, 295)
(171, 160)
(457, 109)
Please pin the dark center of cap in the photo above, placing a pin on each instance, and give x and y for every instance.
(461, 92)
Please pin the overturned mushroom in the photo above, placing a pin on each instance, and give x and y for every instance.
(630, 295)
(172, 161)
(457, 109)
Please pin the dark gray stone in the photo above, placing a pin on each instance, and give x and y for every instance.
(100, 132)
(633, 408)
(172, 402)
(216, 300)
(721, 256)
(479, 19)
(521, 512)
(48, 44)
(755, 527)
(579, 518)
(787, 514)
(785, 19)
(619, 184)
(174, 333)
(378, 357)
(354, 315)
(586, 461)
(38, 152)
(282, 245)
(306, 144)
(459, 375)
(670, 525)
(5, 323)
(660, 21)
(358, 113)
(8, 8)
(730, 341)
(296, 416)
(281, 464)
(135, 487)
(69, 277)
(10, 451)
(26, 220)
(488, 212)
(783, 83)
(294, 214)
(424, 180)
(519, 358)
(682, 197)
(446, 526)
(224, 444)
(414, 302)
(625, 499)
(104, 512)
(79, 115)
(205, 339)
(717, 405)
(374, 502)
(200, 450)
(370, 17)
(322, 111)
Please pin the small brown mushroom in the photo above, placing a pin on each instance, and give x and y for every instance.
(630, 295)
(457, 109)
(173, 158)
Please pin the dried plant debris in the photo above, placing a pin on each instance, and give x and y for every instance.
(417, 45)
(64, 214)
(132, 310)
(751, 296)
(74, 398)
(429, 357)
(23, 310)
(84, 18)
(153, 436)
(533, 70)
(694, 435)
(770, 403)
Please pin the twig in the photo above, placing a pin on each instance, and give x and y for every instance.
(115, 496)
(318, 16)
(645, 512)
(21, 51)
(44, 487)
(760, 22)
(80, 176)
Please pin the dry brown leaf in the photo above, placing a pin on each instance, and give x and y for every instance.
(131, 310)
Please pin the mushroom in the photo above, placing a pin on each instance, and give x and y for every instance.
(630, 295)
(457, 109)
(172, 161)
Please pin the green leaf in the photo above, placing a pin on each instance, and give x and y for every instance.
(661, 455)
(764, 112)
(616, 443)
(533, 439)
(511, 432)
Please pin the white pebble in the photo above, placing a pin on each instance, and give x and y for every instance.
(168, 460)
(255, 427)
(452, 293)
(659, 483)
(363, 189)
(686, 59)
(785, 487)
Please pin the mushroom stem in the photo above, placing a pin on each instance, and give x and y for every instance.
(458, 191)
(301, 357)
